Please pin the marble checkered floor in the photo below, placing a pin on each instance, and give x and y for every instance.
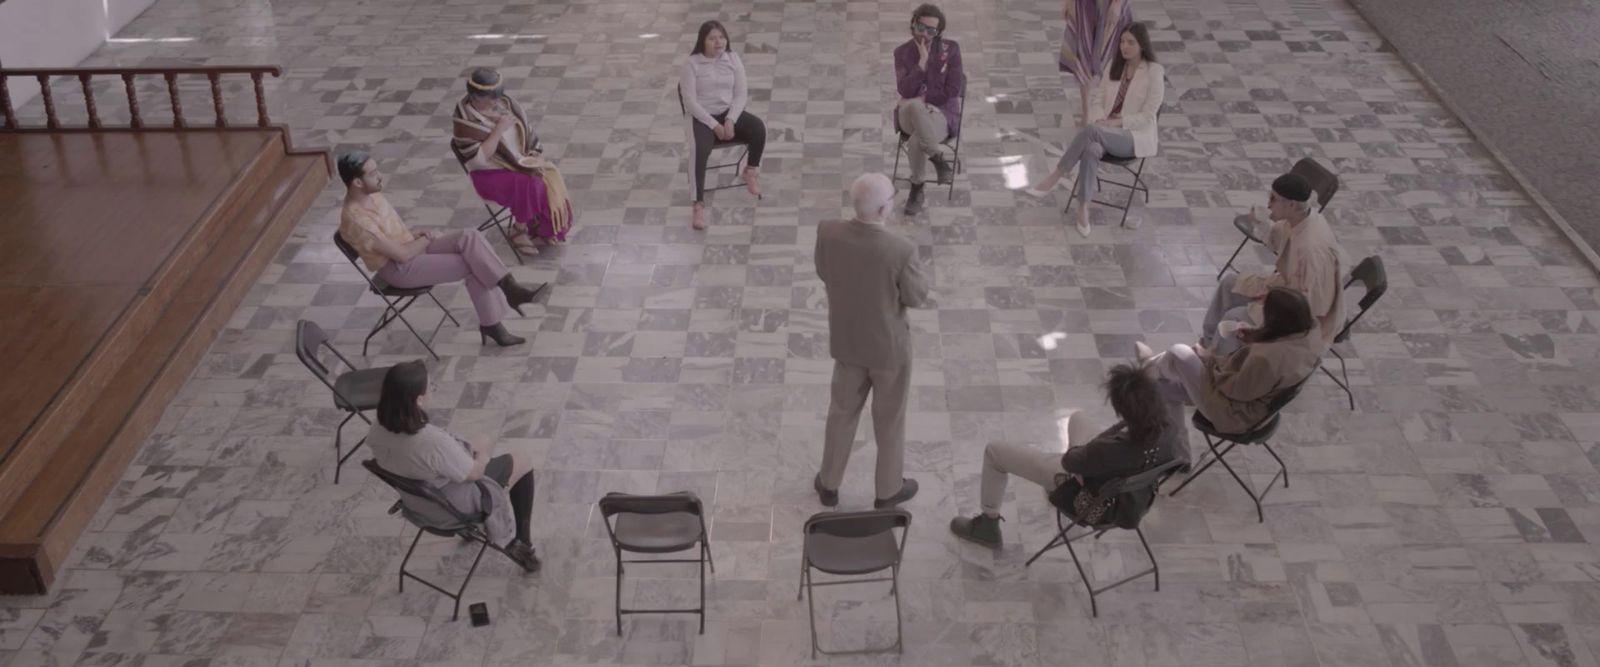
(1448, 520)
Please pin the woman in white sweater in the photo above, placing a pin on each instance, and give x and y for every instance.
(714, 94)
(1123, 109)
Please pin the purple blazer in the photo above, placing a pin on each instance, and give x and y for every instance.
(939, 84)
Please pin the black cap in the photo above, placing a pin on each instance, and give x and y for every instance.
(1293, 187)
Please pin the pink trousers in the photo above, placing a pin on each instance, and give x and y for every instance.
(465, 256)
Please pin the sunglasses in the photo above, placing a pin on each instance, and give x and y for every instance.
(924, 28)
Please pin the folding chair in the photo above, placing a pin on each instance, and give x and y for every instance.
(354, 391)
(426, 508)
(738, 162)
(395, 300)
(954, 143)
(1132, 165)
(1375, 281)
(851, 544)
(657, 525)
(1323, 182)
(1148, 482)
(499, 219)
(1258, 434)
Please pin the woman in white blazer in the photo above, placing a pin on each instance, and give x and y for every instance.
(1123, 108)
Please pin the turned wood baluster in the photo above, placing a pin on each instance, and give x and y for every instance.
(88, 100)
(133, 101)
(177, 105)
(216, 98)
(5, 104)
(49, 102)
(261, 101)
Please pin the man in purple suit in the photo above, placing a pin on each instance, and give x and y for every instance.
(927, 74)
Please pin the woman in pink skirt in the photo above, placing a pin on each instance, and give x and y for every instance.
(493, 139)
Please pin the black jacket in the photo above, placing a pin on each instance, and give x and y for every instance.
(1113, 455)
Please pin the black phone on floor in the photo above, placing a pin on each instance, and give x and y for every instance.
(479, 613)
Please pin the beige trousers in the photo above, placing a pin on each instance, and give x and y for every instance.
(926, 125)
(891, 391)
(1001, 461)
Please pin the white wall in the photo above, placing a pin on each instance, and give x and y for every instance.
(57, 33)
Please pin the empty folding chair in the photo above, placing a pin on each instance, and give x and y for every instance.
(395, 300)
(662, 524)
(1259, 434)
(1323, 182)
(854, 544)
(1147, 483)
(354, 391)
(953, 142)
(426, 508)
(1375, 281)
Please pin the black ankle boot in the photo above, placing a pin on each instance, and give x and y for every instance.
(914, 200)
(499, 335)
(946, 173)
(516, 294)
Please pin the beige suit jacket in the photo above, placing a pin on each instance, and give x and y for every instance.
(872, 276)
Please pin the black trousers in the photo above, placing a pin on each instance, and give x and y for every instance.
(748, 128)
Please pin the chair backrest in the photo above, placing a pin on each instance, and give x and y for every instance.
(420, 490)
(626, 503)
(1323, 182)
(348, 251)
(1149, 479)
(307, 338)
(1375, 280)
(858, 524)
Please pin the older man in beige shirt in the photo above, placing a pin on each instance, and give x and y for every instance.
(1309, 260)
(872, 276)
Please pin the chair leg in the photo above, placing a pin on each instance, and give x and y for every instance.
(1056, 541)
(502, 226)
(618, 598)
(707, 547)
(407, 559)
(1283, 470)
(1133, 193)
(1235, 255)
(1344, 371)
(702, 597)
(1094, 606)
(899, 626)
(894, 174)
(811, 609)
(1073, 193)
(484, 546)
(1203, 467)
(447, 313)
(955, 168)
(1260, 516)
(1154, 567)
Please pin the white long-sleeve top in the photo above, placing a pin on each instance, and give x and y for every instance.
(711, 86)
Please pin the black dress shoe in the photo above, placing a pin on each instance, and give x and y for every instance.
(908, 488)
(517, 295)
(499, 335)
(522, 554)
(946, 172)
(826, 497)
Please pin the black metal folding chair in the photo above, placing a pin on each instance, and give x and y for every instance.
(1259, 434)
(499, 219)
(854, 544)
(1375, 280)
(395, 300)
(954, 143)
(1323, 182)
(1149, 482)
(354, 391)
(661, 524)
(717, 144)
(467, 528)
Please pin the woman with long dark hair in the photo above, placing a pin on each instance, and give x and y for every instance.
(404, 443)
(715, 93)
(1122, 119)
(1145, 436)
(1234, 390)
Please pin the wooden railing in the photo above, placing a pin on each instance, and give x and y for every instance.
(128, 74)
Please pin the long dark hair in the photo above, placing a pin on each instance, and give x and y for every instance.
(1134, 396)
(705, 31)
(925, 10)
(1141, 34)
(1285, 312)
(398, 411)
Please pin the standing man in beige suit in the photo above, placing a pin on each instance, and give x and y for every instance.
(872, 276)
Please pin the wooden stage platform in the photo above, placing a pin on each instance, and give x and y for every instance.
(122, 253)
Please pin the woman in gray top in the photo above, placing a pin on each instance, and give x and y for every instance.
(715, 92)
(404, 443)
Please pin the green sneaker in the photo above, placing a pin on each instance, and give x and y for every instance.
(980, 529)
